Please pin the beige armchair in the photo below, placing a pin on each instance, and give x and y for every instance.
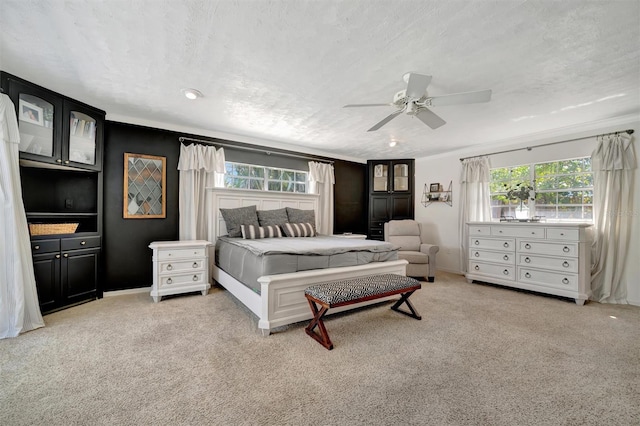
(409, 236)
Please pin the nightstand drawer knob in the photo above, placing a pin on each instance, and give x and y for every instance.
(476, 254)
(169, 267)
(505, 257)
(506, 272)
(565, 264)
(565, 281)
(526, 259)
(476, 242)
(169, 280)
(528, 275)
(527, 246)
(195, 264)
(566, 249)
(477, 268)
(506, 245)
(195, 278)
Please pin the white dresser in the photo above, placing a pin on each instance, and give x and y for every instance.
(180, 267)
(553, 258)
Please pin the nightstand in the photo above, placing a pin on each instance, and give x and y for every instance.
(179, 267)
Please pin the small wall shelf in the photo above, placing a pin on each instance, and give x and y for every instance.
(429, 197)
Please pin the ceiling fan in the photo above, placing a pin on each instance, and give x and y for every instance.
(414, 101)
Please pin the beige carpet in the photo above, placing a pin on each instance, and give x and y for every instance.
(481, 355)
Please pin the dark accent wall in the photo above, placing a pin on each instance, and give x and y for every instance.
(127, 257)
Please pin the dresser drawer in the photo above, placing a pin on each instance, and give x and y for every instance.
(505, 272)
(491, 256)
(504, 244)
(517, 231)
(550, 249)
(563, 234)
(182, 279)
(186, 253)
(548, 279)
(181, 266)
(45, 246)
(567, 264)
(479, 230)
(79, 243)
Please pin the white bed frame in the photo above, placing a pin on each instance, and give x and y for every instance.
(282, 300)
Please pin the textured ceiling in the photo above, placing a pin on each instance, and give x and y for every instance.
(279, 72)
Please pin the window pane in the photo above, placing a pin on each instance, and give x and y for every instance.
(256, 184)
(287, 175)
(500, 174)
(301, 177)
(570, 197)
(257, 172)
(545, 183)
(546, 198)
(496, 187)
(569, 212)
(520, 174)
(274, 186)
(546, 212)
(242, 170)
(587, 211)
(300, 187)
(275, 173)
(288, 186)
(545, 169)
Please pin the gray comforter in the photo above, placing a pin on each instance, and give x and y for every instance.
(319, 245)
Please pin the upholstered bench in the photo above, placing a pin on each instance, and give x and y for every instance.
(355, 290)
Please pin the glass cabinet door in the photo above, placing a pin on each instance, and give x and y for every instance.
(82, 138)
(400, 177)
(35, 122)
(380, 177)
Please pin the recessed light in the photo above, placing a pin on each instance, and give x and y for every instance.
(392, 144)
(192, 93)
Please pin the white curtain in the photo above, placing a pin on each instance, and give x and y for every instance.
(321, 181)
(201, 166)
(613, 163)
(475, 201)
(19, 308)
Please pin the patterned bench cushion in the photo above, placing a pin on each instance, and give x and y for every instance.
(356, 288)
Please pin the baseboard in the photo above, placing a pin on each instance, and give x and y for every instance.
(633, 302)
(128, 291)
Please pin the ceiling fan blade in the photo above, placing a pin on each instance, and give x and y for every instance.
(429, 118)
(462, 98)
(417, 85)
(387, 119)
(365, 105)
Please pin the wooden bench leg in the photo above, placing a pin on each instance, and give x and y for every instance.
(323, 337)
(405, 299)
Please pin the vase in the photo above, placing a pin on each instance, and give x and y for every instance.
(522, 211)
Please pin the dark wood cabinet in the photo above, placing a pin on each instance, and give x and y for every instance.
(391, 188)
(61, 147)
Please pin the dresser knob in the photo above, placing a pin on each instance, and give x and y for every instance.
(65, 255)
(477, 268)
(36, 247)
(82, 243)
(57, 256)
(195, 264)
(505, 257)
(58, 161)
(476, 254)
(169, 267)
(566, 249)
(169, 280)
(527, 246)
(506, 245)
(66, 161)
(500, 231)
(527, 275)
(565, 281)
(506, 272)
(562, 233)
(526, 259)
(195, 278)
(565, 264)
(476, 242)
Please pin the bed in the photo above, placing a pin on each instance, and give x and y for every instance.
(277, 299)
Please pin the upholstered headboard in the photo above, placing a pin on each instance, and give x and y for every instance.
(232, 198)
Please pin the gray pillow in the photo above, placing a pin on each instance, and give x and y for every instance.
(272, 217)
(233, 218)
(301, 216)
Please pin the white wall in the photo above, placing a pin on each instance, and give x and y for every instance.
(442, 220)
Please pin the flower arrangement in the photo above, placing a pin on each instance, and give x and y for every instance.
(519, 191)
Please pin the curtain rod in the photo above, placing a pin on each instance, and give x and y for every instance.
(248, 148)
(529, 148)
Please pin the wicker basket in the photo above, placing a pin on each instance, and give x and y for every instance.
(52, 228)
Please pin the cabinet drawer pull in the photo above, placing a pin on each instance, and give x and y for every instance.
(58, 161)
(506, 272)
(195, 264)
(169, 280)
(505, 257)
(476, 242)
(479, 231)
(195, 278)
(566, 249)
(36, 247)
(66, 161)
(476, 254)
(565, 281)
(477, 268)
(57, 256)
(527, 259)
(169, 267)
(506, 244)
(565, 264)
(528, 275)
(65, 255)
(527, 246)
(82, 243)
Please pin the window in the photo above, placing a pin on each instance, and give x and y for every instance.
(563, 189)
(247, 176)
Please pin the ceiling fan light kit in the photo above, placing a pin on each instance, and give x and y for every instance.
(415, 101)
